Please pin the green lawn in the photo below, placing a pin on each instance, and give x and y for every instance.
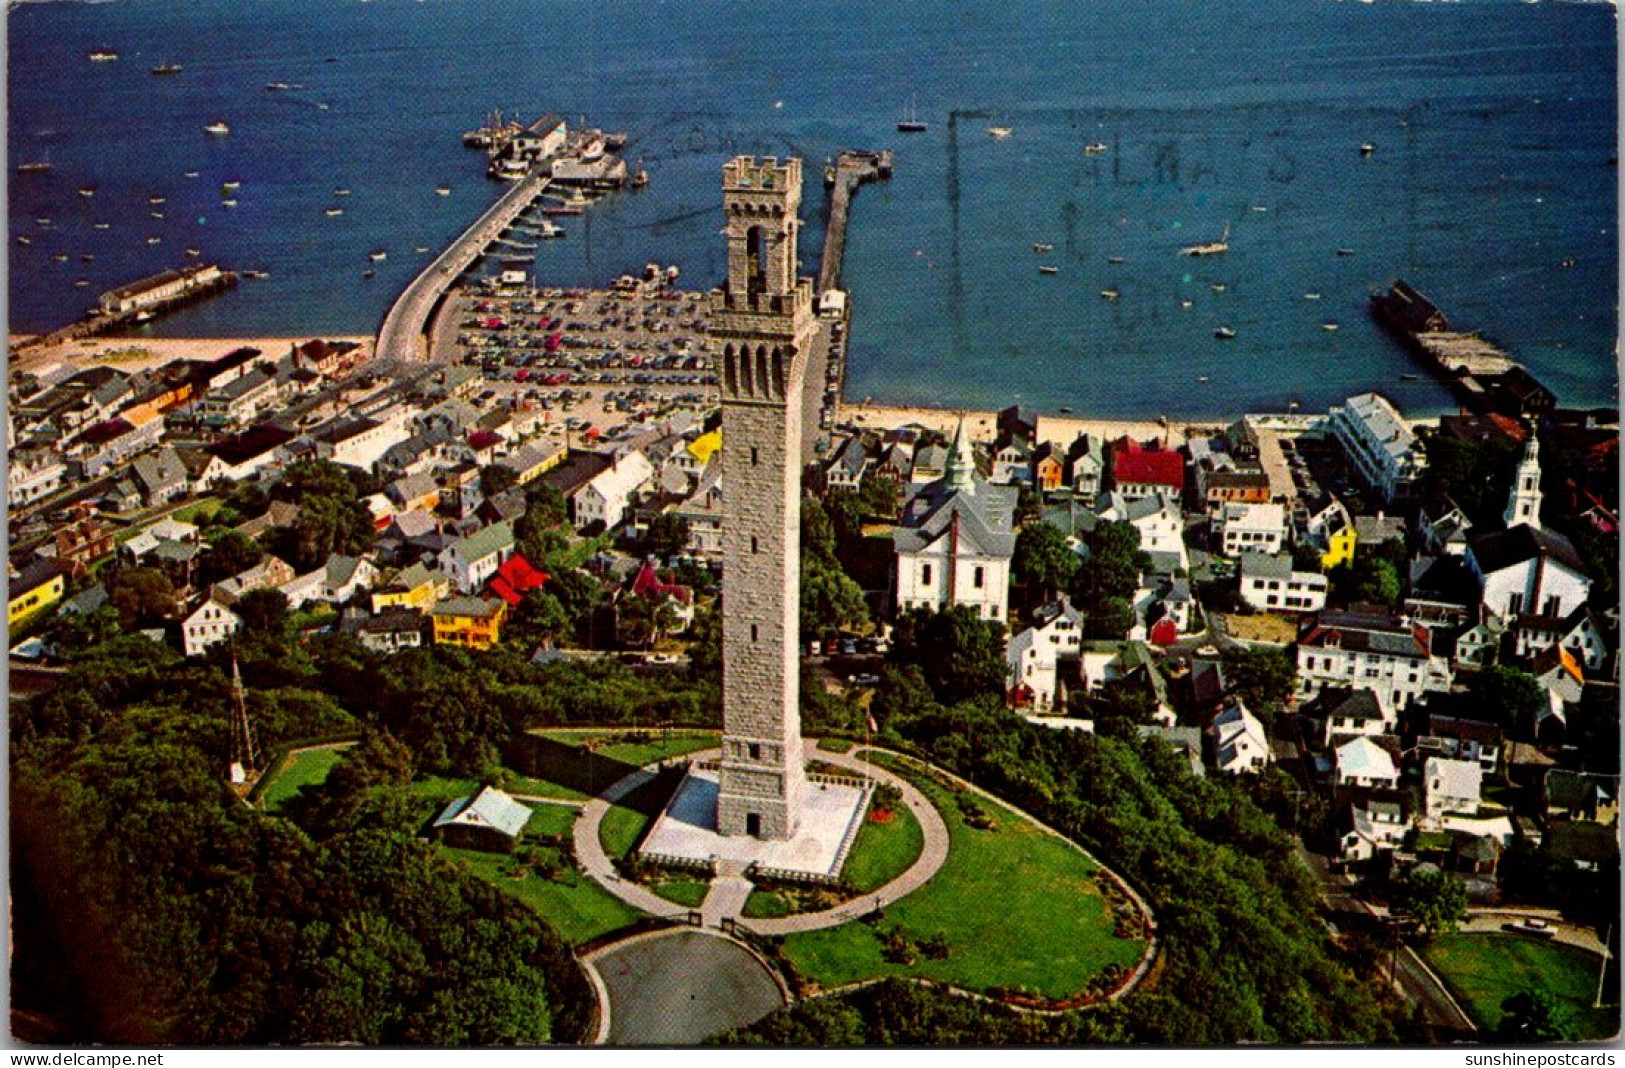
(1484, 969)
(625, 822)
(441, 788)
(836, 745)
(305, 768)
(190, 512)
(1019, 909)
(682, 891)
(551, 819)
(575, 906)
(883, 851)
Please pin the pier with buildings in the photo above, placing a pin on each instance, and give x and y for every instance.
(140, 301)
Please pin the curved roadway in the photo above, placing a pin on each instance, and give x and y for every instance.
(402, 335)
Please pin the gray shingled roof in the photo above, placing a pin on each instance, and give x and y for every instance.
(986, 518)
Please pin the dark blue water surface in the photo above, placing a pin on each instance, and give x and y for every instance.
(1492, 185)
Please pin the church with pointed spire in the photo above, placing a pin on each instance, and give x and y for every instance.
(955, 539)
(1523, 503)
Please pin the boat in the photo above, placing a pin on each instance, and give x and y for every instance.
(368, 274)
(230, 187)
(103, 55)
(615, 141)
(1328, 325)
(341, 192)
(155, 200)
(1367, 148)
(85, 257)
(1345, 252)
(143, 316)
(1116, 259)
(166, 68)
(1409, 377)
(100, 226)
(444, 191)
(910, 122)
(1209, 248)
(256, 274)
(377, 254)
(1043, 248)
(1201, 378)
(277, 87)
(217, 128)
(1109, 294)
(335, 211)
(640, 177)
(1217, 287)
(24, 239)
(1047, 269)
(1224, 333)
(229, 202)
(1185, 303)
(421, 249)
(190, 174)
(156, 214)
(87, 191)
(36, 167)
(562, 209)
(154, 240)
(82, 283)
(998, 133)
(549, 230)
(1311, 296)
(1065, 410)
(1094, 150)
(194, 252)
(43, 220)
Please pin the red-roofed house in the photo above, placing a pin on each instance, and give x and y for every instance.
(646, 583)
(1139, 472)
(515, 578)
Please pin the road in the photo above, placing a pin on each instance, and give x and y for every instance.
(402, 335)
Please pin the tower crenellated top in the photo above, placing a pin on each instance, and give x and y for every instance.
(749, 174)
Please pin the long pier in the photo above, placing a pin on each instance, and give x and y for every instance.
(851, 170)
(404, 334)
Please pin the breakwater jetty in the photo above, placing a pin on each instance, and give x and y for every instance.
(851, 170)
(404, 334)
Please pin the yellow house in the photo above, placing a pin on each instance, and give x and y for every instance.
(416, 587)
(1339, 548)
(34, 591)
(471, 622)
(703, 446)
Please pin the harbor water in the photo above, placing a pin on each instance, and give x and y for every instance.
(1135, 130)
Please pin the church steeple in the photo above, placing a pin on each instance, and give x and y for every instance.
(1523, 505)
(960, 471)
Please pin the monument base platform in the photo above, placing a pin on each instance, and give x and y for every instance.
(686, 832)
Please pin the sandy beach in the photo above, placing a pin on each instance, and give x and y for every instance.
(141, 353)
(1060, 429)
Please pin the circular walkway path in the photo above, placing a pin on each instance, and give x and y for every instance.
(596, 863)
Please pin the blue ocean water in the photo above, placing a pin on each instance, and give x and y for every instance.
(1492, 184)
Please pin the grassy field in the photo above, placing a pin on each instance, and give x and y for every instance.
(576, 907)
(1484, 969)
(682, 891)
(551, 819)
(882, 852)
(836, 745)
(1018, 907)
(306, 768)
(626, 820)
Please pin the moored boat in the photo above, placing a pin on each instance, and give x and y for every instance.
(166, 68)
(1224, 333)
(218, 128)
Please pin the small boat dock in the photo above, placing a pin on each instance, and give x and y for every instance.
(851, 170)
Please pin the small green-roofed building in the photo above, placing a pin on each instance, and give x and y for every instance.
(490, 821)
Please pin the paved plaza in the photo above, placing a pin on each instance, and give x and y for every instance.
(831, 814)
(682, 987)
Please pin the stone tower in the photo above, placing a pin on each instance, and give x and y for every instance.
(1523, 504)
(762, 324)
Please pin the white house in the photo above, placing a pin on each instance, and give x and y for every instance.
(471, 561)
(32, 474)
(1156, 516)
(335, 582)
(1269, 583)
(1379, 444)
(1239, 742)
(1366, 829)
(1246, 527)
(1451, 786)
(1345, 712)
(1362, 762)
(1032, 655)
(1379, 653)
(1578, 632)
(955, 539)
(605, 498)
(1528, 571)
(211, 624)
